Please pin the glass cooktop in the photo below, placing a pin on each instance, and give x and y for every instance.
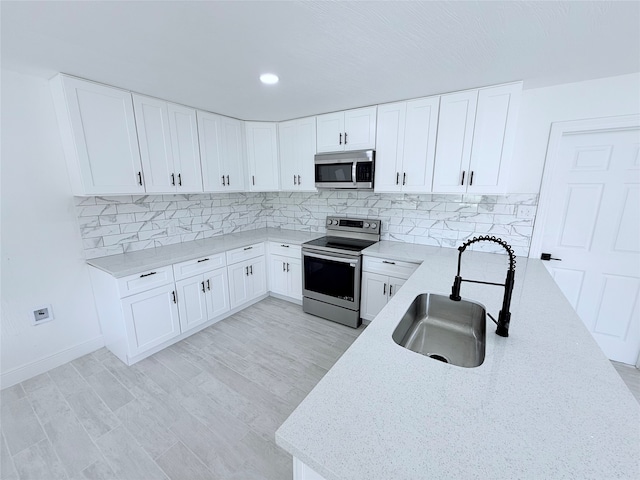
(340, 243)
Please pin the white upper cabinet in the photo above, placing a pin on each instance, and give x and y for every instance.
(297, 147)
(406, 142)
(348, 130)
(455, 136)
(476, 131)
(493, 137)
(222, 153)
(168, 137)
(99, 137)
(262, 156)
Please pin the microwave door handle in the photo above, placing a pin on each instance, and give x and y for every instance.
(353, 172)
(333, 259)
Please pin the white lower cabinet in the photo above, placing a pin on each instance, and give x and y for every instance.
(202, 298)
(381, 280)
(151, 318)
(286, 276)
(247, 281)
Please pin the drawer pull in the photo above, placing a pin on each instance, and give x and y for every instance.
(283, 245)
(147, 274)
(203, 260)
(248, 248)
(390, 263)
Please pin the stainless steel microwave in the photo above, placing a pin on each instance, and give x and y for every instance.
(345, 170)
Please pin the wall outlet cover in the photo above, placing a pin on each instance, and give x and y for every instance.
(41, 314)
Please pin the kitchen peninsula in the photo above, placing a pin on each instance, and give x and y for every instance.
(545, 403)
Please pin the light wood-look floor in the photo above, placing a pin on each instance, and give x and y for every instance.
(205, 408)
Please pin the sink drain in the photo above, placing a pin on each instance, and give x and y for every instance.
(440, 358)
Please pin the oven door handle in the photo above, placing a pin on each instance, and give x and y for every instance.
(351, 261)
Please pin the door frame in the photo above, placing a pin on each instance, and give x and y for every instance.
(558, 130)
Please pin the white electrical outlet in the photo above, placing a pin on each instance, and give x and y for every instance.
(42, 314)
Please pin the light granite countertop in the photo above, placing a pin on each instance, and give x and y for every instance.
(142, 260)
(546, 402)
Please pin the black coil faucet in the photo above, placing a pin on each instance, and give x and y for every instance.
(504, 317)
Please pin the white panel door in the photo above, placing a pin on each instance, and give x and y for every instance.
(591, 221)
(375, 291)
(192, 302)
(104, 132)
(453, 147)
(154, 136)
(294, 277)
(278, 275)
(360, 129)
(330, 134)
(186, 153)
(151, 318)
(262, 156)
(238, 283)
(493, 137)
(394, 285)
(390, 147)
(217, 285)
(419, 151)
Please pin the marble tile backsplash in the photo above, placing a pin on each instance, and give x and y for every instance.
(112, 225)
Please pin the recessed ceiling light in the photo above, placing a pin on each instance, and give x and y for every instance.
(269, 78)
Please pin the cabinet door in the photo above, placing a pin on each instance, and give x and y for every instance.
(257, 277)
(186, 153)
(278, 275)
(152, 124)
(453, 148)
(330, 134)
(217, 285)
(294, 278)
(360, 129)
(234, 156)
(306, 150)
(238, 283)
(262, 155)
(221, 152)
(390, 147)
(419, 150)
(102, 140)
(192, 302)
(288, 148)
(151, 318)
(394, 285)
(375, 289)
(493, 137)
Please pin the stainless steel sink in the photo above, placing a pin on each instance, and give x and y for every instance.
(452, 332)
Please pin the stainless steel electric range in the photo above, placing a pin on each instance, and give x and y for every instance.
(332, 269)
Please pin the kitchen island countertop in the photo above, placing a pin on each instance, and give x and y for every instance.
(546, 402)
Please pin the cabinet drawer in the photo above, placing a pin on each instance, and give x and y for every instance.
(141, 282)
(285, 249)
(245, 253)
(388, 266)
(199, 265)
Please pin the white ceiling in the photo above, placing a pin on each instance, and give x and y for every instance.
(329, 55)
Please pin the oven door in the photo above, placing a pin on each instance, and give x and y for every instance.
(332, 278)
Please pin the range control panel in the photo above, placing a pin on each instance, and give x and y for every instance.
(363, 225)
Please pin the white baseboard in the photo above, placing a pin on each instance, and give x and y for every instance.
(20, 374)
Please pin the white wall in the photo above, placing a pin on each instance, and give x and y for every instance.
(540, 107)
(42, 254)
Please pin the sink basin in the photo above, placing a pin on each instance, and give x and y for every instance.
(444, 330)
